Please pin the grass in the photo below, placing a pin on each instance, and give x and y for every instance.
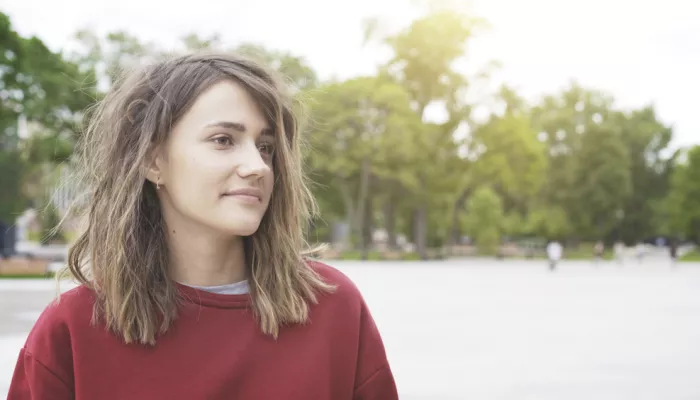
(692, 256)
(356, 255)
(49, 275)
(585, 252)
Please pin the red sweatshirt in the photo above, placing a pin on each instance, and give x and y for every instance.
(215, 350)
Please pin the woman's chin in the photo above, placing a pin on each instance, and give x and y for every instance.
(239, 228)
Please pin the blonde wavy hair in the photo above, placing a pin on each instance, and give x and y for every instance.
(122, 254)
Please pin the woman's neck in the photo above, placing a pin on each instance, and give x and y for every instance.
(201, 259)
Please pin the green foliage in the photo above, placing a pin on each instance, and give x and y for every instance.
(377, 256)
(484, 220)
(550, 222)
(48, 92)
(691, 256)
(602, 176)
(509, 157)
(293, 68)
(513, 225)
(646, 139)
(606, 167)
(424, 54)
(682, 205)
(362, 135)
(12, 203)
(47, 276)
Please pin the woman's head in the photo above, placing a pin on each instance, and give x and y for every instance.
(209, 140)
(214, 169)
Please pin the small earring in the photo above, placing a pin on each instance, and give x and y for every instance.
(158, 183)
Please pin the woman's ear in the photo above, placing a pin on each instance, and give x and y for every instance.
(153, 166)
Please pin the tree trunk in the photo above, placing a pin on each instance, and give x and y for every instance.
(368, 228)
(362, 201)
(349, 214)
(390, 223)
(456, 231)
(420, 230)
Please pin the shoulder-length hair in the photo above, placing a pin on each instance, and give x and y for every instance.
(122, 253)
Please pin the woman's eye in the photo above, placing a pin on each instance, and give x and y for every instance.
(223, 141)
(266, 148)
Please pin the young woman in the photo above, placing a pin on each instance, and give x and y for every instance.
(193, 279)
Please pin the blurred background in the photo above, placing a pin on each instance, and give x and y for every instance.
(449, 143)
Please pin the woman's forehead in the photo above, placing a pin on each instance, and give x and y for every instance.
(228, 105)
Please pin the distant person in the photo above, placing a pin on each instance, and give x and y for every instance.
(673, 251)
(554, 253)
(598, 251)
(619, 252)
(640, 250)
(198, 285)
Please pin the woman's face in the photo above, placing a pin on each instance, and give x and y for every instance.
(215, 168)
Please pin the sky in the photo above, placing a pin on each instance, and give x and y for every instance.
(641, 52)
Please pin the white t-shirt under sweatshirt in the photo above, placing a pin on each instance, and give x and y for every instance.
(230, 288)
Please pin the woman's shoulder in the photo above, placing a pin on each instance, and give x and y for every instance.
(333, 275)
(50, 344)
(71, 310)
(346, 290)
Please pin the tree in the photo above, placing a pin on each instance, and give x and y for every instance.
(507, 155)
(570, 123)
(647, 140)
(12, 202)
(423, 63)
(578, 126)
(11, 48)
(602, 180)
(193, 42)
(111, 56)
(682, 204)
(549, 222)
(295, 69)
(484, 220)
(361, 132)
(48, 92)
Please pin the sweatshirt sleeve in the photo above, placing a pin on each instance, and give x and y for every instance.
(374, 379)
(32, 380)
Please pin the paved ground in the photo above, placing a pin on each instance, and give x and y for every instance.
(503, 330)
